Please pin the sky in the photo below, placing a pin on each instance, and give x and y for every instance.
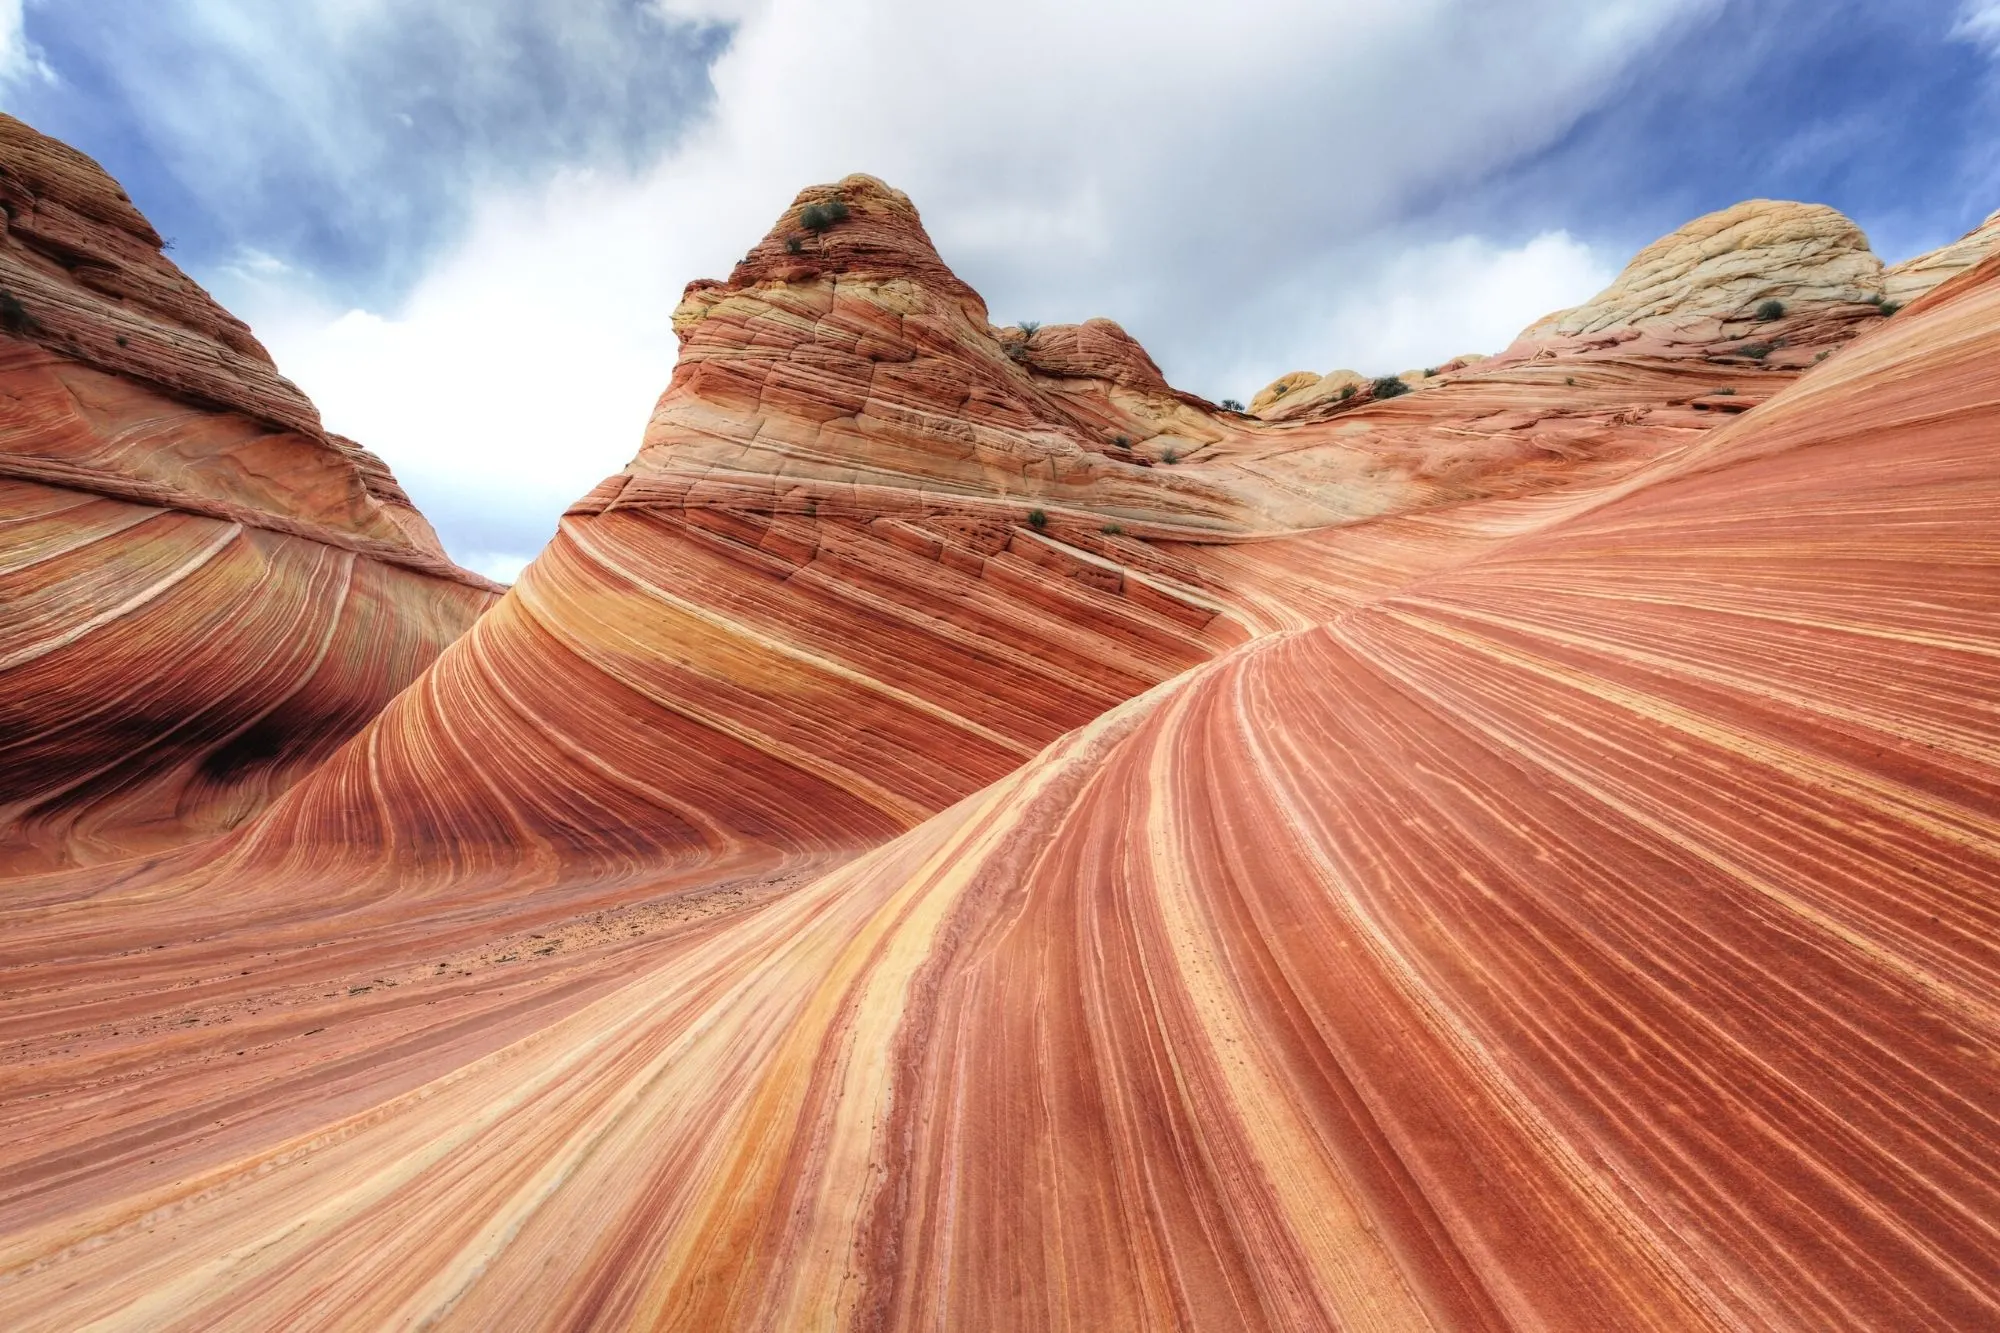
(461, 226)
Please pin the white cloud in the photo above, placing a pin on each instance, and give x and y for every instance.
(1979, 23)
(499, 566)
(1213, 177)
(1429, 303)
(18, 57)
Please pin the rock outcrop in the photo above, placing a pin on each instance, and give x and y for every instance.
(1905, 282)
(874, 553)
(1302, 388)
(1720, 268)
(959, 833)
(202, 593)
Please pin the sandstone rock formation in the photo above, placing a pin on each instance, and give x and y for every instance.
(1905, 282)
(1721, 267)
(908, 854)
(202, 593)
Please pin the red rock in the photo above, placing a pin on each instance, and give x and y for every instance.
(1519, 854)
(202, 593)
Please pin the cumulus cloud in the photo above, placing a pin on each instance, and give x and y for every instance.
(1242, 186)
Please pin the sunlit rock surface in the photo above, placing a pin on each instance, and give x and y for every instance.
(1910, 279)
(1520, 854)
(202, 593)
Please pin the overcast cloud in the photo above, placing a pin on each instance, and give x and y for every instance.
(463, 228)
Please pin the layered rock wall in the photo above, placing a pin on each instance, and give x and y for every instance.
(202, 593)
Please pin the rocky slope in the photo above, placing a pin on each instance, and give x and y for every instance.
(874, 553)
(959, 833)
(202, 593)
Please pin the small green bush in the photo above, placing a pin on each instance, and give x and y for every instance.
(794, 246)
(1756, 351)
(1887, 308)
(1122, 441)
(1112, 529)
(1725, 393)
(818, 217)
(1279, 391)
(1037, 519)
(1570, 380)
(1430, 372)
(1231, 405)
(1346, 392)
(1771, 310)
(1171, 456)
(1028, 327)
(1390, 387)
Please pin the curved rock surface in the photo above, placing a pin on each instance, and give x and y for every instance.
(1905, 282)
(1521, 854)
(1722, 266)
(874, 553)
(202, 593)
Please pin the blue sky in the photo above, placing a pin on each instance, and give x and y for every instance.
(462, 225)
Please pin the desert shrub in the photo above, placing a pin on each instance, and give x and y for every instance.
(1112, 529)
(1886, 308)
(1028, 327)
(793, 245)
(1346, 392)
(1756, 351)
(1037, 519)
(1430, 372)
(1823, 355)
(14, 316)
(1122, 441)
(1171, 456)
(1771, 310)
(1725, 393)
(818, 217)
(1570, 380)
(1231, 405)
(1390, 387)
(1280, 390)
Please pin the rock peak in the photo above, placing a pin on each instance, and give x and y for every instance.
(857, 226)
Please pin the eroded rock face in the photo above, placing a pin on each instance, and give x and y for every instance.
(1514, 854)
(937, 544)
(1291, 394)
(1905, 282)
(1723, 266)
(202, 593)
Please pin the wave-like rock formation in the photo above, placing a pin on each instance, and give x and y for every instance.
(961, 834)
(202, 593)
(874, 554)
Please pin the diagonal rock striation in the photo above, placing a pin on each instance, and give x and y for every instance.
(961, 834)
(202, 592)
